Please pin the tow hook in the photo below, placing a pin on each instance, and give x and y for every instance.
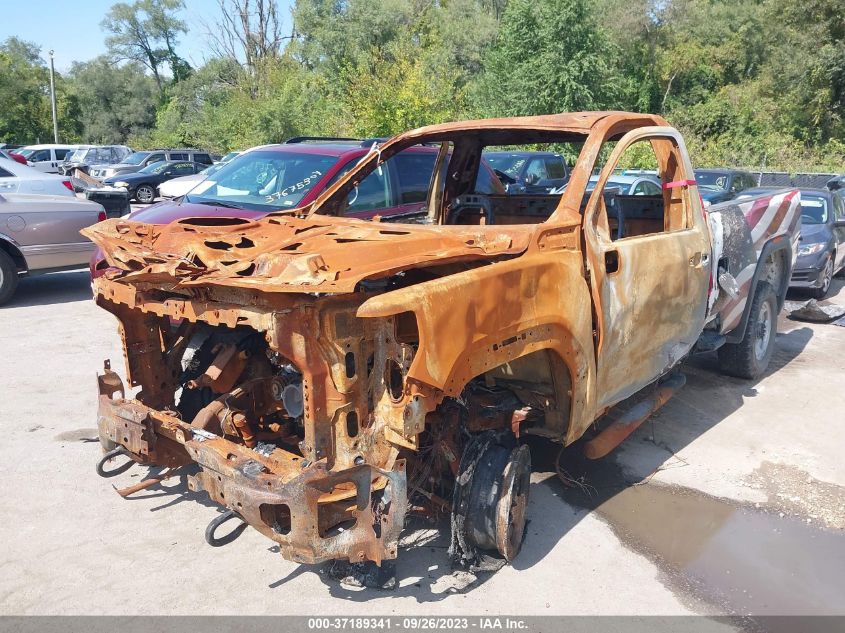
(115, 452)
(219, 520)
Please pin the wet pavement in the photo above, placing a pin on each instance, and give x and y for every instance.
(738, 558)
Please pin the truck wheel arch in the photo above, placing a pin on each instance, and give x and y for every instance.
(774, 266)
(477, 320)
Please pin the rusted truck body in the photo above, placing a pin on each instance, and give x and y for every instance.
(324, 375)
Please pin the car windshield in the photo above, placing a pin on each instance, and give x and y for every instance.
(135, 159)
(712, 178)
(229, 157)
(509, 164)
(813, 209)
(154, 168)
(79, 155)
(26, 153)
(264, 180)
(211, 169)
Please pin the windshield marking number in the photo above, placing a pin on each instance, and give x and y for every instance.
(299, 186)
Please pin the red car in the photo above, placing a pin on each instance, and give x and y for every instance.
(293, 174)
(12, 156)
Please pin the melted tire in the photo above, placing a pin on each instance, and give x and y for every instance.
(740, 359)
(490, 501)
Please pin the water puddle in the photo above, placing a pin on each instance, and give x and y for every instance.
(743, 560)
(740, 559)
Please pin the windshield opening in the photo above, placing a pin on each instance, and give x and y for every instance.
(813, 209)
(264, 180)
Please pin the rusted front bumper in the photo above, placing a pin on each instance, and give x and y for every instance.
(295, 503)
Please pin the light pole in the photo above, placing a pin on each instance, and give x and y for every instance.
(53, 102)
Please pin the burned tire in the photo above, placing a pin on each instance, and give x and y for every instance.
(750, 357)
(8, 277)
(491, 499)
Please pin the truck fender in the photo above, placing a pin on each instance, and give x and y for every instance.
(474, 321)
(774, 245)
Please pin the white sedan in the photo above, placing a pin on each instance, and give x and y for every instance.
(17, 178)
(180, 186)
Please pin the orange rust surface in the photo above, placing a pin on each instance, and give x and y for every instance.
(389, 323)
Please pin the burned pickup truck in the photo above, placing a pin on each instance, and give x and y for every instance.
(321, 376)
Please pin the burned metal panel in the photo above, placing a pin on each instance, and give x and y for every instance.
(281, 253)
(649, 289)
(474, 321)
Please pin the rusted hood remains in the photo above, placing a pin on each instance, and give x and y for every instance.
(281, 253)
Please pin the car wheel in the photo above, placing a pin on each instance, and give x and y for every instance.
(750, 357)
(827, 277)
(8, 277)
(145, 193)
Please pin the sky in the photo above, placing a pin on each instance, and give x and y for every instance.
(72, 27)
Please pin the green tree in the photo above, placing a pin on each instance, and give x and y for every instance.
(115, 101)
(25, 115)
(147, 32)
(550, 56)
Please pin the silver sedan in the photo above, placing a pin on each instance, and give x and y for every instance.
(40, 234)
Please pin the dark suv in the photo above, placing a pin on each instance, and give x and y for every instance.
(138, 160)
(529, 172)
(721, 185)
(293, 174)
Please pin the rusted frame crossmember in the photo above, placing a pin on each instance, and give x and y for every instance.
(256, 486)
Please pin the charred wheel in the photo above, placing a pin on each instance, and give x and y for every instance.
(491, 498)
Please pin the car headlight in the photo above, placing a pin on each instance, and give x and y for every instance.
(121, 183)
(810, 249)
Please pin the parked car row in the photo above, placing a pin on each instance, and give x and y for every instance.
(40, 215)
(142, 173)
(256, 182)
(139, 160)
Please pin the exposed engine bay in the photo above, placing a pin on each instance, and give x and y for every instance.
(306, 434)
